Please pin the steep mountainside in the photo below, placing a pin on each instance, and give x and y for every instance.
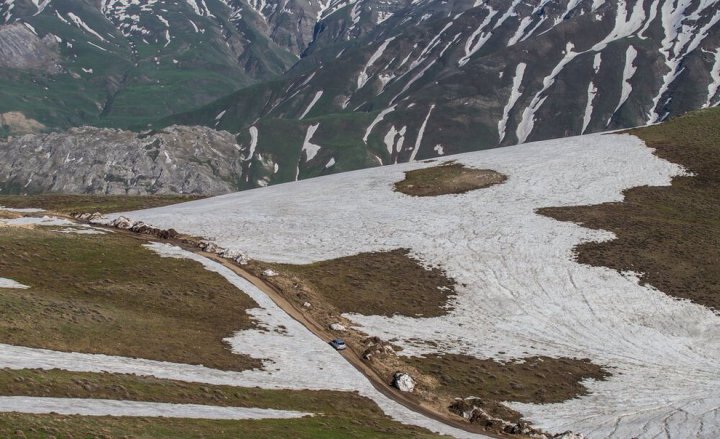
(124, 63)
(377, 81)
(175, 160)
(393, 81)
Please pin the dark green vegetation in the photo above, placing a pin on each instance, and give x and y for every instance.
(357, 425)
(670, 235)
(338, 414)
(382, 283)
(539, 380)
(117, 77)
(67, 204)
(107, 294)
(452, 178)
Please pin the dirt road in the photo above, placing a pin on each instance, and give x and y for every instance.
(350, 354)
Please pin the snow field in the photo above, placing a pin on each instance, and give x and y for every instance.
(521, 294)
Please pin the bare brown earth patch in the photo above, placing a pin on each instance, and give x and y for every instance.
(670, 235)
(450, 178)
(379, 283)
(107, 294)
(539, 380)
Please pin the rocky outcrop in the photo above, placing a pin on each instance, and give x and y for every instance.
(176, 160)
(476, 412)
(21, 48)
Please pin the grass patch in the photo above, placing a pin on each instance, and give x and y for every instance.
(67, 204)
(379, 283)
(107, 294)
(321, 427)
(452, 178)
(670, 234)
(340, 414)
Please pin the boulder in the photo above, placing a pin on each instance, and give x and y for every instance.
(337, 327)
(403, 382)
(269, 273)
(235, 255)
(123, 223)
(209, 247)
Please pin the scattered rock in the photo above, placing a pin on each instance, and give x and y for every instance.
(375, 346)
(122, 223)
(472, 409)
(568, 435)
(337, 327)
(403, 382)
(208, 246)
(174, 160)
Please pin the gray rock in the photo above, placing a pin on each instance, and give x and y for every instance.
(176, 160)
(20, 48)
(403, 382)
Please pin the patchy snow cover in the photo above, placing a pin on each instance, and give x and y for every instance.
(515, 94)
(105, 407)
(714, 86)
(421, 133)
(520, 293)
(628, 73)
(309, 148)
(376, 121)
(253, 142)
(363, 77)
(23, 210)
(36, 221)
(9, 283)
(81, 231)
(312, 103)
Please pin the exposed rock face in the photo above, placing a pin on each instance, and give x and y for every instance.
(20, 48)
(181, 160)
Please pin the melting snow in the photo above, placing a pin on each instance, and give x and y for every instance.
(421, 133)
(253, 142)
(312, 103)
(9, 283)
(105, 407)
(377, 120)
(363, 76)
(309, 148)
(520, 293)
(714, 86)
(514, 96)
(628, 73)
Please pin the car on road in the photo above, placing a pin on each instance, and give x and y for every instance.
(338, 344)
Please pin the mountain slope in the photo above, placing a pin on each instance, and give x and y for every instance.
(124, 63)
(377, 82)
(411, 80)
(519, 292)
